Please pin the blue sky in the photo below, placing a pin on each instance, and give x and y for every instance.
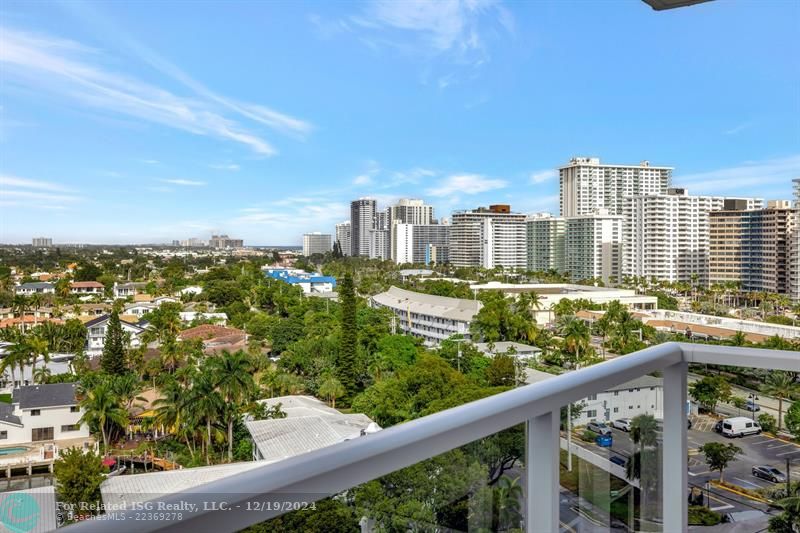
(146, 122)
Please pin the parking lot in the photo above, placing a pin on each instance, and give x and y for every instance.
(757, 450)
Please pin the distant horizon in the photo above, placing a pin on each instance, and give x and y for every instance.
(129, 122)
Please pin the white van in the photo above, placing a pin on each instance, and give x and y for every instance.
(740, 426)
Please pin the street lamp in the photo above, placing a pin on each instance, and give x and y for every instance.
(458, 354)
(752, 397)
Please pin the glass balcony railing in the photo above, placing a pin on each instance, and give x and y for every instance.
(522, 460)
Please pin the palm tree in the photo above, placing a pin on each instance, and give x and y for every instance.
(234, 381)
(782, 386)
(644, 463)
(206, 405)
(127, 388)
(576, 337)
(20, 305)
(38, 346)
(331, 388)
(41, 375)
(172, 410)
(102, 408)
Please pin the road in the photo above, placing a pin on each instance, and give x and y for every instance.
(768, 404)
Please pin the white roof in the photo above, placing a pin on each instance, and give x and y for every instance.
(428, 304)
(44, 497)
(143, 487)
(309, 425)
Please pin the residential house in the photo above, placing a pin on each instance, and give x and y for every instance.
(35, 287)
(129, 289)
(216, 338)
(86, 288)
(96, 334)
(39, 413)
(514, 349)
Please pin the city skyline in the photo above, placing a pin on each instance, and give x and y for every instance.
(154, 129)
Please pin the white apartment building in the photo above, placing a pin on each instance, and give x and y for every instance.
(343, 237)
(433, 318)
(592, 246)
(411, 211)
(420, 243)
(546, 242)
(667, 236)
(488, 238)
(42, 242)
(794, 246)
(362, 220)
(40, 413)
(316, 243)
(643, 395)
(586, 185)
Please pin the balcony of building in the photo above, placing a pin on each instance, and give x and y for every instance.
(546, 478)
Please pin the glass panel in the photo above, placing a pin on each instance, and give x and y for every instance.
(611, 459)
(478, 487)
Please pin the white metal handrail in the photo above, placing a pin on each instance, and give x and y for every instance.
(333, 469)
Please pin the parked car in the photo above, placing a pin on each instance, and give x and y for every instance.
(770, 473)
(604, 441)
(617, 460)
(623, 424)
(740, 426)
(751, 405)
(599, 427)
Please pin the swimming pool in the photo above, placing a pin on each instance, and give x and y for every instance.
(9, 451)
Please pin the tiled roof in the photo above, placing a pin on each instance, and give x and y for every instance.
(51, 395)
(86, 285)
(208, 331)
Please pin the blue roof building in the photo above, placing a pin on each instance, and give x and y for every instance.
(309, 283)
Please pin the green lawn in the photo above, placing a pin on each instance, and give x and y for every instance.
(5, 397)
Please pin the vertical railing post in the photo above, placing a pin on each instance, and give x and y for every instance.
(542, 465)
(675, 451)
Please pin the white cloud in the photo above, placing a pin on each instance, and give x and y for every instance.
(229, 166)
(738, 128)
(466, 184)
(34, 194)
(185, 183)
(442, 25)
(363, 179)
(541, 176)
(14, 181)
(61, 67)
(731, 180)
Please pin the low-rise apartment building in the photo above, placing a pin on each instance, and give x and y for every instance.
(432, 318)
